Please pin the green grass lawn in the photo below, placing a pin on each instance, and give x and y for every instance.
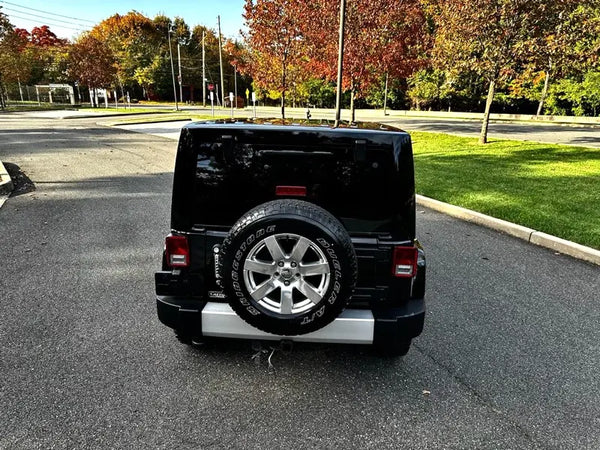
(33, 106)
(120, 110)
(547, 187)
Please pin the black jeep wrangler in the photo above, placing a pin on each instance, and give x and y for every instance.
(293, 232)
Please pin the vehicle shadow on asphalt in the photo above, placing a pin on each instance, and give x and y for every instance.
(22, 183)
(274, 355)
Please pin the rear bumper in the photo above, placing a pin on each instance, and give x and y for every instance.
(353, 326)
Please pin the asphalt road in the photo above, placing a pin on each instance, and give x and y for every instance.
(554, 134)
(510, 354)
(586, 136)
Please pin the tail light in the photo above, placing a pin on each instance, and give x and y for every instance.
(177, 251)
(405, 262)
(290, 191)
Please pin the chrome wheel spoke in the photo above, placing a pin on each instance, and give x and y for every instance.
(288, 273)
(287, 301)
(320, 268)
(274, 248)
(309, 291)
(260, 267)
(300, 249)
(263, 290)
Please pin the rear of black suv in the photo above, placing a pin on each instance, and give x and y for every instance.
(293, 232)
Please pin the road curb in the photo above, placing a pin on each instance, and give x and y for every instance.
(145, 122)
(6, 183)
(527, 234)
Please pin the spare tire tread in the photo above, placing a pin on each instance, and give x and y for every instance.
(305, 210)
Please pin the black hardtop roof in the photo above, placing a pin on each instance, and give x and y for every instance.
(298, 126)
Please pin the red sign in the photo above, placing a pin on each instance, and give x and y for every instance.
(211, 87)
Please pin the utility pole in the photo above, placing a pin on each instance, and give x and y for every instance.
(235, 83)
(221, 64)
(172, 69)
(203, 73)
(180, 79)
(338, 95)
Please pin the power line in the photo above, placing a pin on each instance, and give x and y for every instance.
(48, 22)
(45, 18)
(47, 12)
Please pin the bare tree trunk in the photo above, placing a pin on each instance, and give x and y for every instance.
(352, 109)
(283, 87)
(2, 106)
(338, 89)
(544, 92)
(385, 95)
(486, 114)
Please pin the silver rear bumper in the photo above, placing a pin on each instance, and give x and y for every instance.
(353, 326)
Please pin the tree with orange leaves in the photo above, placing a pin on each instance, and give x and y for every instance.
(133, 41)
(490, 37)
(276, 45)
(15, 60)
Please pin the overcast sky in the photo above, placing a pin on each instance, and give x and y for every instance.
(68, 19)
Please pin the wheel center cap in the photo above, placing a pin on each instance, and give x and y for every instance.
(286, 274)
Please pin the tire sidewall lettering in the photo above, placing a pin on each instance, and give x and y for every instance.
(290, 217)
(237, 264)
(332, 256)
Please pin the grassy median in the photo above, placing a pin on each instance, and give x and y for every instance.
(547, 187)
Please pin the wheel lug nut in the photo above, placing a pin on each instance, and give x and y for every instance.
(280, 263)
(276, 274)
(297, 275)
(287, 283)
(294, 264)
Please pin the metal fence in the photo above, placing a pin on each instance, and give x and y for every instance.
(53, 94)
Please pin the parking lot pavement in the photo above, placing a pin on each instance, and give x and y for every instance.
(508, 358)
(548, 133)
(169, 130)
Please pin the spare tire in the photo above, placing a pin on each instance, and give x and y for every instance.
(288, 267)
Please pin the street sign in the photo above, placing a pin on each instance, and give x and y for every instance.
(253, 97)
(211, 87)
(247, 93)
(231, 97)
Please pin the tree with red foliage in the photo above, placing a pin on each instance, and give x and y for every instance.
(91, 62)
(297, 38)
(383, 36)
(49, 55)
(43, 37)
